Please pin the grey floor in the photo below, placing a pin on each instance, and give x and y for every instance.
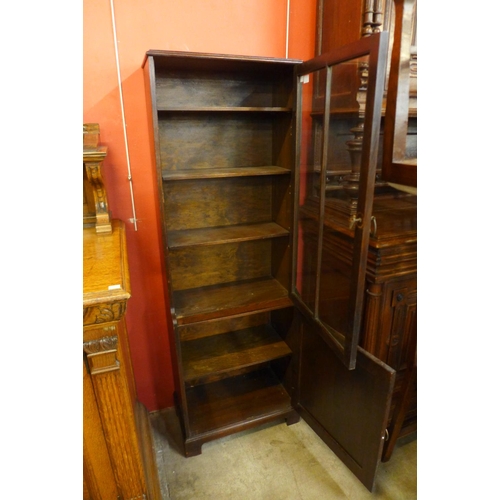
(272, 462)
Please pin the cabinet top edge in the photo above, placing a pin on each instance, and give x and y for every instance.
(173, 55)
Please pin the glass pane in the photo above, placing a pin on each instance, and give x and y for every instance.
(313, 105)
(343, 166)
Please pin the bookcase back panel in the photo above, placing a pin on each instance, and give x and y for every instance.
(206, 359)
(213, 265)
(283, 141)
(282, 201)
(191, 89)
(191, 204)
(215, 140)
(215, 327)
(281, 261)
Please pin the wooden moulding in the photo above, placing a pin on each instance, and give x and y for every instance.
(95, 201)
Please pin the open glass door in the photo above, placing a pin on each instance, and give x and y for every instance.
(338, 117)
(343, 392)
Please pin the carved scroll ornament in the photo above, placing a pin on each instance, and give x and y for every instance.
(101, 345)
(101, 355)
(96, 210)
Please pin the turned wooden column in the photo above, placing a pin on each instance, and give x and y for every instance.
(398, 166)
(372, 313)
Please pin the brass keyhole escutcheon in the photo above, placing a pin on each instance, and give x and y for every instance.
(356, 220)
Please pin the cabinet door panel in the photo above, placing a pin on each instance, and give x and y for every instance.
(348, 409)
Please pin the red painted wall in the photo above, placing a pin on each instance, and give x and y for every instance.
(256, 27)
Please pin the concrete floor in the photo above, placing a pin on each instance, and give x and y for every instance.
(272, 462)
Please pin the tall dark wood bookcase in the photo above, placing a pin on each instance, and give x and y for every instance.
(226, 155)
(247, 348)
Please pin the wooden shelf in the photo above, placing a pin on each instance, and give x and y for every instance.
(225, 234)
(227, 109)
(236, 402)
(199, 304)
(218, 354)
(212, 173)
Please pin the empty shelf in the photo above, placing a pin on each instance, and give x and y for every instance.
(212, 173)
(211, 356)
(226, 109)
(234, 402)
(225, 234)
(198, 304)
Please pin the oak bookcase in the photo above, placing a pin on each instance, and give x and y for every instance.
(225, 156)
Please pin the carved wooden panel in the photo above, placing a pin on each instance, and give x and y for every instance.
(118, 423)
(99, 479)
(104, 313)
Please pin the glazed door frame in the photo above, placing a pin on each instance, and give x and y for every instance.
(374, 48)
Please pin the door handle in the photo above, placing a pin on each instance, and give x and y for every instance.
(374, 221)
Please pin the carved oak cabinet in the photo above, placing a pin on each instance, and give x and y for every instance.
(264, 324)
(118, 458)
(390, 320)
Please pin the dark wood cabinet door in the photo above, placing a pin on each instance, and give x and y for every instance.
(344, 393)
(344, 86)
(348, 409)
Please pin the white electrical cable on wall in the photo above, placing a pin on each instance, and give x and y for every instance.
(134, 219)
(287, 26)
